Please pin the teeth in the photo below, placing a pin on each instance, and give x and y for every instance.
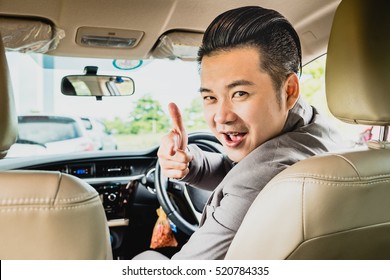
(232, 133)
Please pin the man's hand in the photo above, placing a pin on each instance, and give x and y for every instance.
(173, 154)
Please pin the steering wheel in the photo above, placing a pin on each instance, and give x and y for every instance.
(183, 203)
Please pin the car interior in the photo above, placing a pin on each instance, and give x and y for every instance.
(102, 205)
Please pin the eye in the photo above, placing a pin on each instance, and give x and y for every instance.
(240, 94)
(208, 99)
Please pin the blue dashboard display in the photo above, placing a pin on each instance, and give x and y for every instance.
(81, 171)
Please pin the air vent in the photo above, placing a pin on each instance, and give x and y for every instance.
(112, 169)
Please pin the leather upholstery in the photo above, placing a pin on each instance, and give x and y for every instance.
(45, 215)
(358, 60)
(334, 206)
(49, 215)
(326, 207)
(8, 118)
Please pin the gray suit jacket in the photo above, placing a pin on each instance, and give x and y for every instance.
(236, 185)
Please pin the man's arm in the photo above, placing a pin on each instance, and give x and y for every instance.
(228, 205)
(212, 240)
(206, 169)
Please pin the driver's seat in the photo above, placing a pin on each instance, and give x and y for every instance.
(335, 206)
(45, 215)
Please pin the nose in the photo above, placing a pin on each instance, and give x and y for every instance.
(224, 113)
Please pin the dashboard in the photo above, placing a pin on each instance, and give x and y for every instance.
(114, 179)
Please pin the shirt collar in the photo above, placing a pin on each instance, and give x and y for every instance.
(300, 115)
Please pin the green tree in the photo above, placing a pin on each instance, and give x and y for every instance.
(148, 116)
(118, 126)
(193, 116)
(313, 84)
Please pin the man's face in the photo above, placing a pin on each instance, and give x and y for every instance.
(240, 102)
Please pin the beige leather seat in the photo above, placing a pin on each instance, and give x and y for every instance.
(45, 215)
(335, 206)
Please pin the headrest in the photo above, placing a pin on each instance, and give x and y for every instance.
(51, 215)
(358, 63)
(8, 117)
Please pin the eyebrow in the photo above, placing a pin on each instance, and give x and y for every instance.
(231, 85)
(240, 83)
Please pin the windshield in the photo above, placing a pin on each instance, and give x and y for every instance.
(131, 123)
(125, 123)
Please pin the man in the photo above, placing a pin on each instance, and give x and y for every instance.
(249, 61)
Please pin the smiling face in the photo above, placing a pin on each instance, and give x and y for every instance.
(241, 105)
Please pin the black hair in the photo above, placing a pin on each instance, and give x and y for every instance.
(267, 30)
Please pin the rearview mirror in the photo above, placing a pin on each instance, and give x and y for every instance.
(97, 85)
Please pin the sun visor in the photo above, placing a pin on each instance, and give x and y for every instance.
(29, 35)
(177, 44)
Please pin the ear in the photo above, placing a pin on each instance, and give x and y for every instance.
(291, 88)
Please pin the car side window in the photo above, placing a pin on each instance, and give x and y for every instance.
(313, 91)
